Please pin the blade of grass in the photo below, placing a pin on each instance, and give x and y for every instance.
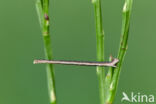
(40, 12)
(43, 13)
(122, 49)
(108, 80)
(99, 46)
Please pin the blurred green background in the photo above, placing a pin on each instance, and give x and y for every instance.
(73, 38)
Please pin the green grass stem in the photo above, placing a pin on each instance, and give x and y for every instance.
(99, 46)
(108, 80)
(43, 14)
(122, 50)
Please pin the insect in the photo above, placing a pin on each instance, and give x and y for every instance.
(82, 63)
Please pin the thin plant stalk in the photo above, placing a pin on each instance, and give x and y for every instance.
(122, 50)
(108, 80)
(99, 46)
(43, 14)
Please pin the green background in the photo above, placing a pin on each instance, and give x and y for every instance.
(73, 38)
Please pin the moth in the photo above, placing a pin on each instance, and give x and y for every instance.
(82, 63)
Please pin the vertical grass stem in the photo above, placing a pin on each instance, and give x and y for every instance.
(99, 46)
(122, 49)
(43, 14)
